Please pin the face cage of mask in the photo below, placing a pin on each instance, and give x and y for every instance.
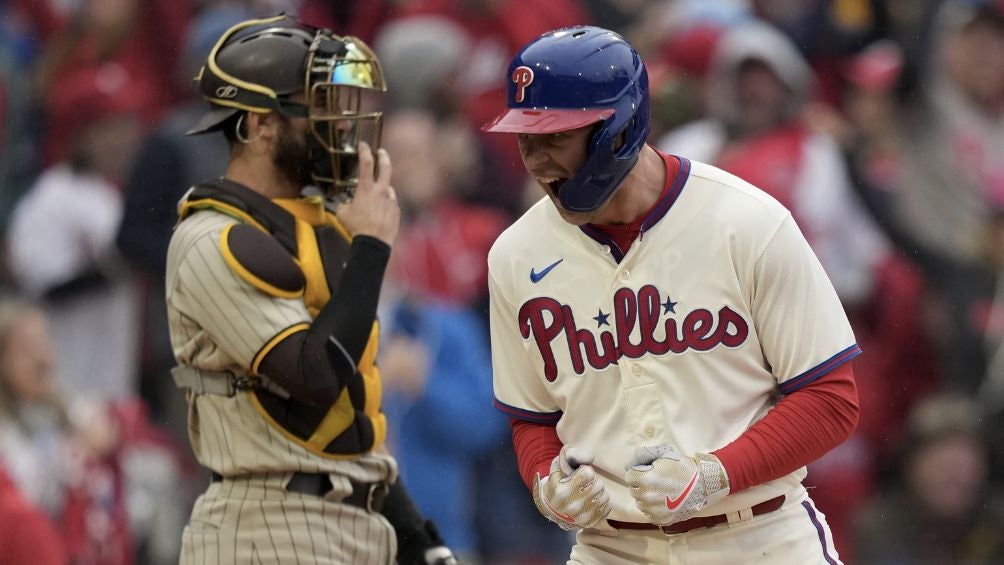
(336, 128)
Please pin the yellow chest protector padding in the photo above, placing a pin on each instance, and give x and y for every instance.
(258, 258)
(303, 237)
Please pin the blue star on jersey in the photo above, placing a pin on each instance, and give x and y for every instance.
(669, 306)
(601, 319)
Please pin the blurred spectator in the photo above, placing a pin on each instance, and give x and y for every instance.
(33, 421)
(679, 29)
(17, 139)
(927, 157)
(757, 90)
(421, 57)
(61, 244)
(677, 78)
(495, 29)
(616, 15)
(361, 18)
(167, 164)
(27, 536)
(57, 459)
(442, 250)
(943, 510)
(991, 391)
(160, 481)
(121, 47)
(953, 153)
(827, 32)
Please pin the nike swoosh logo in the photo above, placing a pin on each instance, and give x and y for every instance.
(564, 517)
(674, 503)
(535, 276)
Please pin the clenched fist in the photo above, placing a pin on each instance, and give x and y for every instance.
(572, 496)
(670, 487)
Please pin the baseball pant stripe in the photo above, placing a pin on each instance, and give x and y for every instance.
(819, 531)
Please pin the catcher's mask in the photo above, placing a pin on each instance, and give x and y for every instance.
(258, 65)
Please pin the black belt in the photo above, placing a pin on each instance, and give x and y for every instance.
(699, 521)
(368, 496)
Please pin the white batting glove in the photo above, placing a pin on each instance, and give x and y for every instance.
(572, 496)
(670, 487)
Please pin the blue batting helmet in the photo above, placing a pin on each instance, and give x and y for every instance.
(573, 77)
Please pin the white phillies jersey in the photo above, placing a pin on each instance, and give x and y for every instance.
(686, 339)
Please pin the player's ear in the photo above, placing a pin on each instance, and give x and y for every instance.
(253, 126)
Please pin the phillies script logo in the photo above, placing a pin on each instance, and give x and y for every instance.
(523, 77)
(699, 330)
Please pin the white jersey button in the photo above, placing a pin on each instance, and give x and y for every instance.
(625, 274)
(650, 432)
(636, 370)
(605, 250)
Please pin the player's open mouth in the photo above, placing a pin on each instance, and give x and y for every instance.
(555, 183)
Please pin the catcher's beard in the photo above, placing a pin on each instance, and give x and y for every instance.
(291, 155)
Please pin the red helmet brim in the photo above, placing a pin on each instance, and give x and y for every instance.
(523, 120)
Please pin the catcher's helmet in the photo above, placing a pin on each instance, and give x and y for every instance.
(573, 77)
(257, 65)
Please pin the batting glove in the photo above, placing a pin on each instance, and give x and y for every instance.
(572, 496)
(670, 487)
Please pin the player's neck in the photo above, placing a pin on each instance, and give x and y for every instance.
(638, 192)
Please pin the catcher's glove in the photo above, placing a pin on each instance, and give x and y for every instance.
(670, 487)
(572, 496)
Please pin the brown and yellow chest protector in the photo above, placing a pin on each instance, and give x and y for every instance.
(295, 248)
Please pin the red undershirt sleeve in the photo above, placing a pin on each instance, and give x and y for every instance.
(536, 445)
(802, 427)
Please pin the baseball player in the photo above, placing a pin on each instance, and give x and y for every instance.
(669, 349)
(271, 301)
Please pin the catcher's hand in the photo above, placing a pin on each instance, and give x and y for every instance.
(670, 487)
(572, 496)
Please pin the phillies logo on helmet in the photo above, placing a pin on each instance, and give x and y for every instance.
(523, 77)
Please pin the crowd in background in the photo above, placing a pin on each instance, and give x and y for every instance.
(878, 123)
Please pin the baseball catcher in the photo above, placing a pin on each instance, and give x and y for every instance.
(273, 276)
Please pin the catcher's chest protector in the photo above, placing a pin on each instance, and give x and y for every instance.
(295, 248)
